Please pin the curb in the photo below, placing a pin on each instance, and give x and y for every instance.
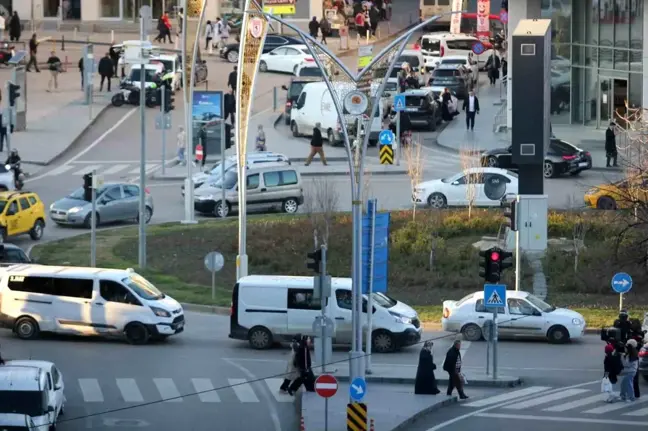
(482, 383)
(416, 416)
(74, 141)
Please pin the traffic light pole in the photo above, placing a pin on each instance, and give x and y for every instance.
(142, 179)
(222, 137)
(8, 113)
(495, 337)
(164, 131)
(93, 222)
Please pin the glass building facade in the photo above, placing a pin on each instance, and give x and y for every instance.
(597, 53)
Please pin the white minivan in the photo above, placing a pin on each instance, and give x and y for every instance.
(435, 46)
(268, 309)
(86, 301)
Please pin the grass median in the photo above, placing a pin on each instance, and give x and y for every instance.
(277, 244)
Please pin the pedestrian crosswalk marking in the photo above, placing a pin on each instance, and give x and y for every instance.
(640, 412)
(205, 390)
(147, 167)
(575, 404)
(87, 170)
(532, 390)
(114, 169)
(129, 390)
(243, 390)
(168, 390)
(546, 399)
(91, 390)
(614, 406)
(273, 387)
(60, 170)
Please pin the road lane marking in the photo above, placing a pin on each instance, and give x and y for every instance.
(114, 169)
(60, 170)
(91, 390)
(129, 390)
(147, 168)
(559, 419)
(243, 391)
(273, 387)
(532, 390)
(87, 170)
(615, 406)
(598, 398)
(546, 399)
(167, 390)
(205, 390)
(640, 412)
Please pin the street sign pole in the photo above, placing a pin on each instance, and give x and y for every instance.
(495, 336)
(398, 139)
(93, 221)
(371, 207)
(494, 298)
(323, 326)
(162, 114)
(621, 283)
(222, 136)
(145, 18)
(214, 262)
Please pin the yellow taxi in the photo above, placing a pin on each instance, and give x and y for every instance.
(619, 195)
(21, 213)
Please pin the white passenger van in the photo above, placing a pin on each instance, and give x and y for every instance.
(26, 391)
(86, 301)
(267, 309)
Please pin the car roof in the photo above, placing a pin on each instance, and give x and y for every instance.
(417, 92)
(445, 35)
(34, 363)
(14, 194)
(146, 66)
(454, 57)
(19, 378)
(13, 420)
(270, 166)
(305, 79)
(70, 271)
(509, 294)
(448, 66)
(302, 46)
(288, 281)
(486, 170)
(411, 52)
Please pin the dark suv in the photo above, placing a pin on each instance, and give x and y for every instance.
(293, 91)
(452, 76)
(422, 108)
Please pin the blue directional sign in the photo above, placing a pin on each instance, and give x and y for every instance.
(478, 48)
(494, 295)
(399, 102)
(386, 137)
(621, 282)
(358, 389)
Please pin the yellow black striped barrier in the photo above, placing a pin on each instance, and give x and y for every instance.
(386, 155)
(356, 417)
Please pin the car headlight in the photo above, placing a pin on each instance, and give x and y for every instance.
(577, 322)
(401, 319)
(74, 210)
(159, 312)
(204, 198)
(51, 207)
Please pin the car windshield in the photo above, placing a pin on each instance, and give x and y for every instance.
(295, 89)
(454, 61)
(167, 64)
(411, 59)
(28, 403)
(13, 255)
(445, 73)
(79, 194)
(230, 180)
(136, 76)
(3, 205)
(391, 86)
(142, 287)
(310, 71)
(383, 300)
(540, 304)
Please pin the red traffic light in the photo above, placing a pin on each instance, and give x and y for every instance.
(495, 256)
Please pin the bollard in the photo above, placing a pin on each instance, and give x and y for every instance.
(63, 42)
(75, 34)
(65, 65)
(112, 36)
(274, 99)
(211, 49)
(371, 425)
(302, 427)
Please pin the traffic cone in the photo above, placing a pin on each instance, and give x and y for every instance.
(302, 427)
(371, 425)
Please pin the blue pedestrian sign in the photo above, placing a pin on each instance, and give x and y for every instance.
(386, 137)
(358, 389)
(621, 282)
(478, 48)
(399, 102)
(494, 295)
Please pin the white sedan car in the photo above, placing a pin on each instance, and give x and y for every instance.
(525, 316)
(462, 188)
(285, 59)
(56, 387)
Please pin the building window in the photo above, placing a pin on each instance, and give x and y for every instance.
(110, 8)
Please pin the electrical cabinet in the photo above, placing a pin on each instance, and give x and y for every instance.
(532, 216)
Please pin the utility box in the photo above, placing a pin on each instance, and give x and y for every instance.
(532, 216)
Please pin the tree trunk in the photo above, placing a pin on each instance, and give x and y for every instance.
(432, 259)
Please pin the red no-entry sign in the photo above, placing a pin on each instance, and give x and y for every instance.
(326, 386)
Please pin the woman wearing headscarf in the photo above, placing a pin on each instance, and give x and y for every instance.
(291, 368)
(425, 381)
(303, 364)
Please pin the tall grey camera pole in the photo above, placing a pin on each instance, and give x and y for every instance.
(8, 115)
(372, 207)
(93, 221)
(495, 336)
(164, 130)
(398, 137)
(222, 139)
(145, 18)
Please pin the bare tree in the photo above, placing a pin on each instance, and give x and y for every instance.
(321, 205)
(469, 162)
(414, 162)
(578, 235)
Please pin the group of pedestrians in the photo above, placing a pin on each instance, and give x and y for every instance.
(164, 26)
(298, 367)
(426, 383)
(621, 364)
(323, 27)
(13, 25)
(217, 33)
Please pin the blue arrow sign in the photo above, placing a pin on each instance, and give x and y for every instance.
(358, 389)
(494, 295)
(399, 102)
(478, 48)
(621, 282)
(386, 137)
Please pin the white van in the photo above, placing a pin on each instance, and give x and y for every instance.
(434, 46)
(315, 105)
(151, 71)
(16, 422)
(27, 391)
(86, 301)
(267, 309)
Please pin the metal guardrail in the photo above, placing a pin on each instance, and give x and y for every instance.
(500, 119)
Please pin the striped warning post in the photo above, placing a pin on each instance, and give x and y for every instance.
(356, 417)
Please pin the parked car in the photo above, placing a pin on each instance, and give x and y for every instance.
(422, 108)
(308, 69)
(293, 90)
(285, 59)
(452, 76)
(230, 51)
(562, 158)
(11, 254)
(622, 194)
(524, 316)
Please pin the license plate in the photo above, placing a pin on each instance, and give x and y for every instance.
(57, 217)
(582, 165)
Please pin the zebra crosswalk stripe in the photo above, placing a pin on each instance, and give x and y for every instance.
(497, 399)
(273, 387)
(243, 390)
(87, 169)
(575, 404)
(205, 390)
(91, 390)
(168, 390)
(114, 169)
(546, 399)
(130, 391)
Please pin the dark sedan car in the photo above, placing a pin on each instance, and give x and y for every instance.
(422, 108)
(451, 76)
(562, 158)
(293, 91)
(230, 52)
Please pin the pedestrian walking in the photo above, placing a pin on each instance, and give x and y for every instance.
(224, 32)
(2, 26)
(15, 27)
(612, 367)
(316, 146)
(167, 23)
(33, 50)
(291, 368)
(360, 24)
(471, 106)
(610, 146)
(106, 70)
(313, 28)
(303, 364)
(180, 21)
(202, 145)
(261, 139)
(492, 66)
(452, 365)
(54, 66)
(82, 74)
(231, 79)
(114, 56)
(325, 29)
(630, 361)
(230, 106)
(182, 145)
(426, 383)
(161, 28)
(374, 18)
(209, 34)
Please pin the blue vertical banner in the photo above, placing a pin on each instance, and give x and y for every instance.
(380, 248)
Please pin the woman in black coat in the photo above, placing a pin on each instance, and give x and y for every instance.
(15, 27)
(425, 381)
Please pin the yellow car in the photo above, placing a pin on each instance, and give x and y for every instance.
(622, 194)
(21, 213)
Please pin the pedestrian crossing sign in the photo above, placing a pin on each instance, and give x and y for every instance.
(399, 102)
(494, 295)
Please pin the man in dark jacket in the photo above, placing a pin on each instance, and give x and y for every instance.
(316, 146)
(230, 106)
(33, 50)
(313, 27)
(471, 106)
(610, 146)
(374, 17)
(106, 70)
(231, 80)
(452, 366)
(114, 56)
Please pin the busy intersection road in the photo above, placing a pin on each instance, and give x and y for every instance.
(201, 378)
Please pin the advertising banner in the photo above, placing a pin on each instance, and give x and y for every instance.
(483, 20)
(207, 106)
(455, 19)
(279, 7)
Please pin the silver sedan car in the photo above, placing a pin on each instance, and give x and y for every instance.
(115, 202)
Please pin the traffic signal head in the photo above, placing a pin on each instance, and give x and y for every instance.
(228, 135)
(315, 261)
(87, 187)
(169, 101)
(511, 213)
(484, 264)
(491, 262)
(14, 93)
(506, 260)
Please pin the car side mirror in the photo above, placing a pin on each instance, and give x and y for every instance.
(537, 313)
(283, 87)
(455, 183)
